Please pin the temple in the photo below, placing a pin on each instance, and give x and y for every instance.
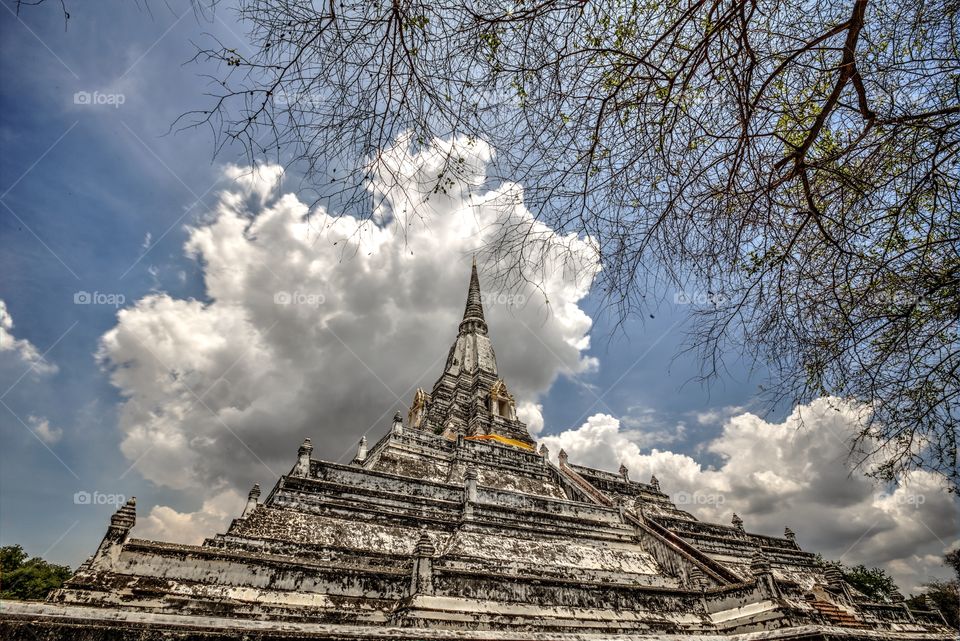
(453, 525)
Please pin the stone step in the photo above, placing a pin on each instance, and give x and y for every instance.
(837, 615)
(468, 614)
(349, 502)
(546, 526)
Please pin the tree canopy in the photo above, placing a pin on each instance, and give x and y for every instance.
(875, 583)
(796, 162)
(942, 595)
(22, 577)
(793, 165)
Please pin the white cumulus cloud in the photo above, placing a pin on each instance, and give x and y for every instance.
(532, 414)
(21, 347)
(167, 524)
(322, 325)
(42, 428)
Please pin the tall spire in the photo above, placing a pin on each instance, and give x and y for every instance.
(473, 320)
(470, 398)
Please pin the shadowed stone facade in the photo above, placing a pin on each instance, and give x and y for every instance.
(452, 526)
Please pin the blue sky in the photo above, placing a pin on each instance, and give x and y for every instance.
(97, 198)
(83, 186)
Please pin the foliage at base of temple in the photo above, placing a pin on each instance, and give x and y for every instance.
(25, 578)
(879, 586)
(942, 595)
(873, 582)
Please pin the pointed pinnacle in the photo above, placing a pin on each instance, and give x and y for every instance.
(474, 308)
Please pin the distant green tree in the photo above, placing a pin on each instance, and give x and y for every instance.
(952, 559)
(11, 557)
(23, 578)
(875, 583)
(942, 595)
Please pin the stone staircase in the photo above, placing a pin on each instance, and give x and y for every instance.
(837, 615)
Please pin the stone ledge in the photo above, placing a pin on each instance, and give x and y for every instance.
(42, 621)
